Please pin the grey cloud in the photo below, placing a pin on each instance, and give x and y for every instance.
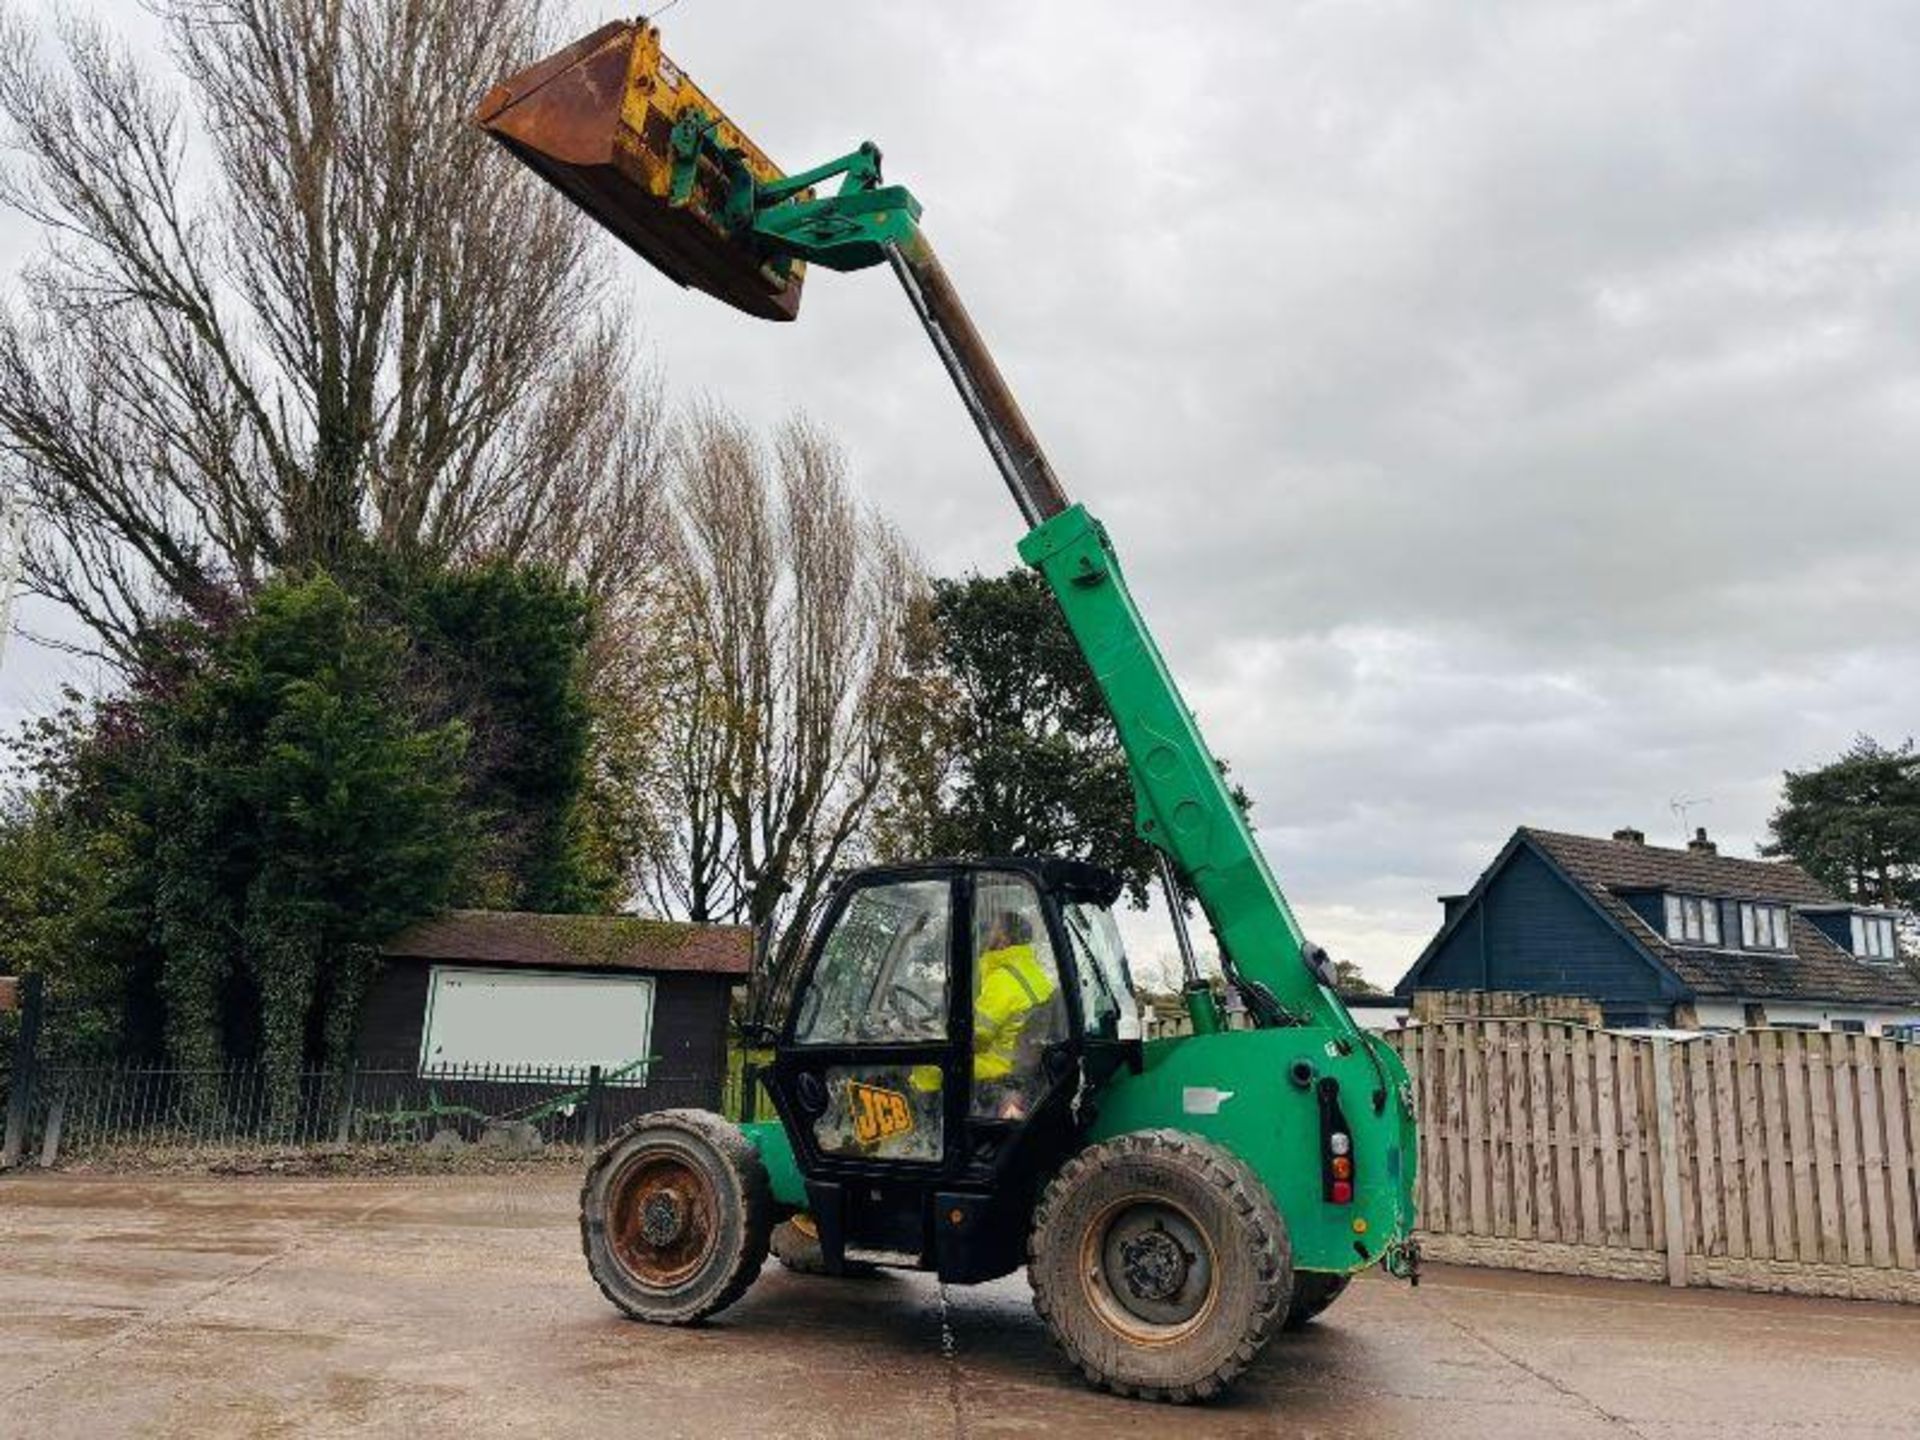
(1506, 411)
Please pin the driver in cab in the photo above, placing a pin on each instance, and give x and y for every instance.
(1010, 987)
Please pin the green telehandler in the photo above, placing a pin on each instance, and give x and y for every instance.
(959, 1074)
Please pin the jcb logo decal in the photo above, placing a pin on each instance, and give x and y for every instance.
(877, 1114)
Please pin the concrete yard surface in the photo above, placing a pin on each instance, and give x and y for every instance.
(460, 1306)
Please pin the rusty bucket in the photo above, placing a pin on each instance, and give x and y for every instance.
(596, 122)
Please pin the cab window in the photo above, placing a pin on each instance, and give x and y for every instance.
(882, 974)
(1100, 965)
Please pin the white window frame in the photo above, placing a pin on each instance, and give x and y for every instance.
(1693, 920)
(1873, 937)
(1764, 925)
(507, 1041)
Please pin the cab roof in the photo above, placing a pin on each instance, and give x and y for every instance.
(1077, 878)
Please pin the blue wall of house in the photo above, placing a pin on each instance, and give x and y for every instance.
(1531, 931)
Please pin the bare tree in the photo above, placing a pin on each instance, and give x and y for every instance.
(787, 608)
(326, 313)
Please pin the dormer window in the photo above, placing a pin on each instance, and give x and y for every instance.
(1873, 937)
(1763, 927)
(1692, 920)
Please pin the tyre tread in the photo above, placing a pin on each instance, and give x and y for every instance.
(1267, 1246)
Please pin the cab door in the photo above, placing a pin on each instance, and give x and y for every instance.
(864, 1072)
(1023, 1062)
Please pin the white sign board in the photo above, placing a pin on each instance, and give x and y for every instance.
(536, 1017)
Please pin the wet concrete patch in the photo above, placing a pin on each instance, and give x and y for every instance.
(250, 1307)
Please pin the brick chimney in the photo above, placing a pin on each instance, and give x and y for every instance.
(1700, 845)
(1627, 835)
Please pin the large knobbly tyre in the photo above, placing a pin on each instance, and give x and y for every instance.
(674, 1216)
(1313, 1292)
(1160, 1265)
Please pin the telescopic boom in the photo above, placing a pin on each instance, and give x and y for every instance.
(676, 180)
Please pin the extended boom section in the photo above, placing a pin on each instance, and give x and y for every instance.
(1186, 809)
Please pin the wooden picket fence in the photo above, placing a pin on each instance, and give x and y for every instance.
(1767, 1160)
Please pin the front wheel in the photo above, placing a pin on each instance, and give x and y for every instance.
(796, 1245)
(1160, 1265)
(674, 1216)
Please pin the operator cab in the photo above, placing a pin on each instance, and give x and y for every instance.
(930, 1071)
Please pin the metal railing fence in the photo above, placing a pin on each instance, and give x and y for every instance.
(78, 1111)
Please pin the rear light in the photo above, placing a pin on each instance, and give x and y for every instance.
(1336, 1145)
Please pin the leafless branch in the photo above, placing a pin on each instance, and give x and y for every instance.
(326, 312)
(788, 605)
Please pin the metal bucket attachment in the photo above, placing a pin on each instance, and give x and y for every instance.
(596, 121)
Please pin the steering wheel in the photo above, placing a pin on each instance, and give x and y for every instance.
(910, 1004)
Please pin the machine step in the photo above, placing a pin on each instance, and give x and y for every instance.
(895, 1259)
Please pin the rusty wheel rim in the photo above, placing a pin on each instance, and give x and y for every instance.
(1149, 1270)
(665, 1219)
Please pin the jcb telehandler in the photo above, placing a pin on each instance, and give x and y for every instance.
(959, 1076)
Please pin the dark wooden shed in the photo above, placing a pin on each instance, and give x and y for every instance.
(477, 988)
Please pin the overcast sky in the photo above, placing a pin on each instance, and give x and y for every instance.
(1506, 413)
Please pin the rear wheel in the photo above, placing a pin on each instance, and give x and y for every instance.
(796, 1245)
(674, 1216)
(1160, 1265)
(1313, 1292)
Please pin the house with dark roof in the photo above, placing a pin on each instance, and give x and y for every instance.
(478, 989)
(1688, 938)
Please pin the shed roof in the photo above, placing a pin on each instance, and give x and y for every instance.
(1815, 968)
(595, 942)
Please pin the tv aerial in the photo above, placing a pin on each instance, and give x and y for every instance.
(1681, 806)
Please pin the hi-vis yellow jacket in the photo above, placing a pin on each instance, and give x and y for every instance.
(1012, 985)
